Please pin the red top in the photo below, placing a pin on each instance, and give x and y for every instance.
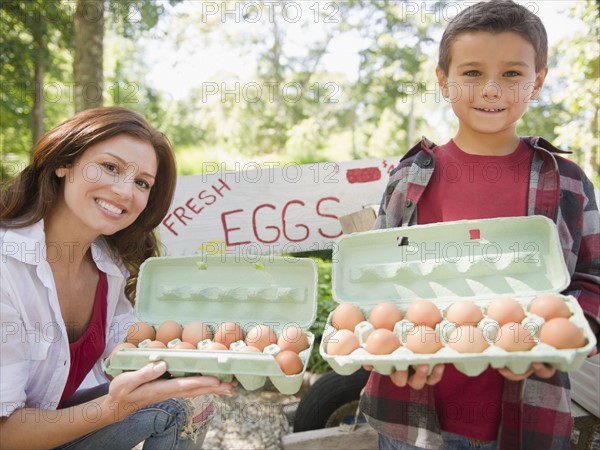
(86, 350)
(474, 187)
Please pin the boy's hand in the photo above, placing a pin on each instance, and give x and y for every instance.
(416, 378)
(540, 369)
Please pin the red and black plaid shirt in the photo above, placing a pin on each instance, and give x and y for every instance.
(535, 412)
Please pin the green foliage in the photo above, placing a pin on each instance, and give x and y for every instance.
(579, 74)
(325, 304)
(24, 26)
(382, 113)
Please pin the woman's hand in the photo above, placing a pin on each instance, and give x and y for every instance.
(416, 378)
(131, 391)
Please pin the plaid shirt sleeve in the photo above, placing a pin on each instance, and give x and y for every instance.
(561, 191)
(584, 256)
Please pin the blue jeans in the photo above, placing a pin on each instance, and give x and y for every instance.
(163, 426)
(451, 442)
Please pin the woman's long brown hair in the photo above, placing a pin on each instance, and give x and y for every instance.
(30, 196)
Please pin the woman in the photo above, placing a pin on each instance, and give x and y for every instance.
(75, 226)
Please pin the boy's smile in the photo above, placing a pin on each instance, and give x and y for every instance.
(490, 81)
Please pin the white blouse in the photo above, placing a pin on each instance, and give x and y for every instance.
(34, 352)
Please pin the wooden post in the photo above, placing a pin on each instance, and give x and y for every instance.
(361, 220)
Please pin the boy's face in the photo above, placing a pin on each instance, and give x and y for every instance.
(490, 81)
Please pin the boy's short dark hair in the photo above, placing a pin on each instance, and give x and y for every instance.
(496, 16)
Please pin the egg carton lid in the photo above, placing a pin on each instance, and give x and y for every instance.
(477, 259)
(271, 290)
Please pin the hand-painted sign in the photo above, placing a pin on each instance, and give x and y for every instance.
(270, 209)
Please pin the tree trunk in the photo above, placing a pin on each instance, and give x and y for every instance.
(88, 60)
(38, 31)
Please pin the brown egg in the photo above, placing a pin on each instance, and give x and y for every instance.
(156, 344)
(249, 349)
(464, 312)
(467, 339)
(167, 331)
(260, 336)
(289, 362)
(550, 307)
(293, 338)
(139, 332)
(215, 346)
(228, 333)
(382, 342)
(195, 332)
(423, 339)
(120, 346)
(385, 315)
(424, 312)
(514, 337)
(346, 316)
(562, 333)
(184, 346)
(505, 310)
(342, 342)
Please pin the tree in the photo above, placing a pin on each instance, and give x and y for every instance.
(577, 129)
(88, 57)
(392, 68)
(40, 77)
(284, 89)
(32, 35)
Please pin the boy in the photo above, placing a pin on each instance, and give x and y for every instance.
(492, 62)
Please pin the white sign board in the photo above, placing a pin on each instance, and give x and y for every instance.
(280, 208)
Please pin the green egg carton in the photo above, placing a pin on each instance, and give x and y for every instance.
(477, 260)
(276, 291)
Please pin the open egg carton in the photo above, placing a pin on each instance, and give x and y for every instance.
(476, 260)
(268, 290)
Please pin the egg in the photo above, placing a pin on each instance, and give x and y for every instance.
(249, 349)
(562, 333)
(156, 344)
(423, 339)
(293, 338)
(549, 307)
(385, 315)
(382, 342)
(215, 346)
(140, 331)
(505, 310)
(184, 346)
(346, 316)
(514, 337)
(260, 336)
(227, 333)
(120, 346)
(464, 312)
(424, 312)
(167, 331)
(342, 342)
(289, 362)
(195, 332)
(467, 339)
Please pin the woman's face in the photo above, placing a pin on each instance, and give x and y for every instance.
(108, 187)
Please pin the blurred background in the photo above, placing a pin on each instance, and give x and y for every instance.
(263, 81)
